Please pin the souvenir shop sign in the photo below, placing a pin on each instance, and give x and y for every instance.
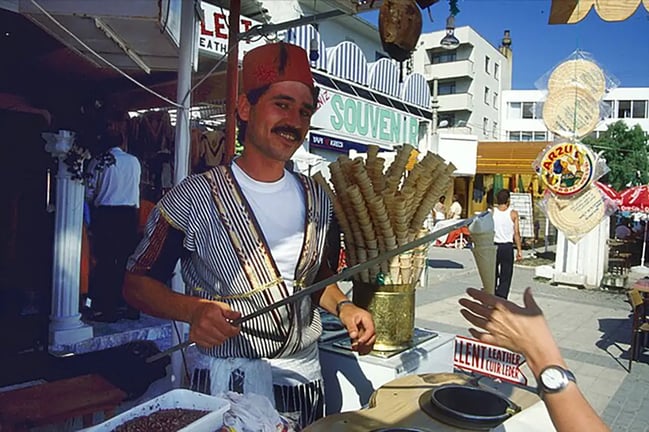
(358, 118)
(490, 360)
(213, 34)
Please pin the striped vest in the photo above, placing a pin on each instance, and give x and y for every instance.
(230, 261)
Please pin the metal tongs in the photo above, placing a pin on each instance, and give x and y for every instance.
(345, 274)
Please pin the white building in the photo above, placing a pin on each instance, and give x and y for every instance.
(522, 113)
(470, 80)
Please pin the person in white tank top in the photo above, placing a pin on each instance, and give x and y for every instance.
(507, 233)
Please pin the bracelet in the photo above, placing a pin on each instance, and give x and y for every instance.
(341, 304)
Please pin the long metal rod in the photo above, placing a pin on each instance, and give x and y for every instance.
(345, 274)
(232, 79)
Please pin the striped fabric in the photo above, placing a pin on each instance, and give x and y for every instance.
(416, 90)
(230, 261)
(384, 77)
(347, 61)
(302, 36)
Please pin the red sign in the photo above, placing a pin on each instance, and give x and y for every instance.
(213, 36)
(490, 360)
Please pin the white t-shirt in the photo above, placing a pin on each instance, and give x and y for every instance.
(280, 210)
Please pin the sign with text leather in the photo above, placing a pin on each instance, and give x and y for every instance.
(490, 360)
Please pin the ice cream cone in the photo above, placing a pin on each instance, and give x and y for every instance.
(483, 239)
(485, 260)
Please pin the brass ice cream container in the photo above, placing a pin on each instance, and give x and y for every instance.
(393, 310)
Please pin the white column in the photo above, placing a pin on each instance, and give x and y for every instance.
(66, 327)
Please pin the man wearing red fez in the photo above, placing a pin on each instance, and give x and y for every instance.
(248, 235)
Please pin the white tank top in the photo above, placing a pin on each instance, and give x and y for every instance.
(503, 225)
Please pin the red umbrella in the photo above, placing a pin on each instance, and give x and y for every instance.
(635, 199)
(608, 191)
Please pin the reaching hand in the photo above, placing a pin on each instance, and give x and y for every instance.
(210, 324)
(506, 324)
(360, 326)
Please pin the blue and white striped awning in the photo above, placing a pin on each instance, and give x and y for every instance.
(384, 77)
(302, 36)
(347, 61)
(416, 91)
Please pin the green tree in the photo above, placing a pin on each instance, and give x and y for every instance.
(627, 154)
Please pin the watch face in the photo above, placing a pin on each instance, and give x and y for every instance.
(553, 379)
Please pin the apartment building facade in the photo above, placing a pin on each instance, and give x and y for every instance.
(470, 80)
(522, 113)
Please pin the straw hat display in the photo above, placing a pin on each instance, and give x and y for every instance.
(380, 211)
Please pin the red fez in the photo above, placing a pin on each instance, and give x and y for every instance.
(273, 63)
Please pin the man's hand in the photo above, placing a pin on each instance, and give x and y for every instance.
(210, 324)
(360, 326)
(519, 255)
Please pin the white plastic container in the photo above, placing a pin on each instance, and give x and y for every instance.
(178, 398)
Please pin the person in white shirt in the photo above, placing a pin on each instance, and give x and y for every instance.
(455, 211)
(507, 232)
(113, 193)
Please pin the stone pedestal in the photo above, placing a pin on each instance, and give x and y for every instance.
(582, 263)
(66, 326)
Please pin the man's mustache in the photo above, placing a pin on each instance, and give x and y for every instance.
(287, 130)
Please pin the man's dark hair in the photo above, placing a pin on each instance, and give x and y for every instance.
(502, 197)
(442, 198)
(253, 97)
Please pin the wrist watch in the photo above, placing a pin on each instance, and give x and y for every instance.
(554, 379)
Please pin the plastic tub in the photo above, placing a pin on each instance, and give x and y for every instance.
(178, 398)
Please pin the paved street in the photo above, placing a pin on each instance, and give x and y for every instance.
(592, 328)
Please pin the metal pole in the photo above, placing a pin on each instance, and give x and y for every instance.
(182, 144)
(434, 105)
(232, 77)
(185, 61)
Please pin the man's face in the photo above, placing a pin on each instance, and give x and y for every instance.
(279, 121)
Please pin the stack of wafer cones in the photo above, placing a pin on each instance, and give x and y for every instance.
(484, 251)
(380, 211)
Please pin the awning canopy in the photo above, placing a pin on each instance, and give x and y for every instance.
(508, 157)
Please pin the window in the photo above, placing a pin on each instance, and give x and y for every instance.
(495, 130)
(496, 71)
(486, 64)
(639, 109)
(514, 136)
(526, 136)
(443, 57)
(448, 117)
(624, 109)
(514, 110)
(486, 95)
(540, 136)
(446, 88)
(607, 109)
(495, 104)
(528, 110)
(485, 125)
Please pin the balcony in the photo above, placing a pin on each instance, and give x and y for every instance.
(454, 69)
(456, 102)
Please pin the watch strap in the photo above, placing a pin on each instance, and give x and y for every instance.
(340, 304)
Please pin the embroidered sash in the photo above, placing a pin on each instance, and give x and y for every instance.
(288, 328)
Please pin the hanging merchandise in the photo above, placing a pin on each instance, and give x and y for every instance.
(399, 27)
(567, 167)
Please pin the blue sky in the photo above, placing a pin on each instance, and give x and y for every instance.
(621, 48)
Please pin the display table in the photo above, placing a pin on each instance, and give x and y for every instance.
(398, 404)
(350, 379)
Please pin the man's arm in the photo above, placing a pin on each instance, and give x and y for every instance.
(357, 321)
(209, 320)
(144, 286)
(517, 235)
